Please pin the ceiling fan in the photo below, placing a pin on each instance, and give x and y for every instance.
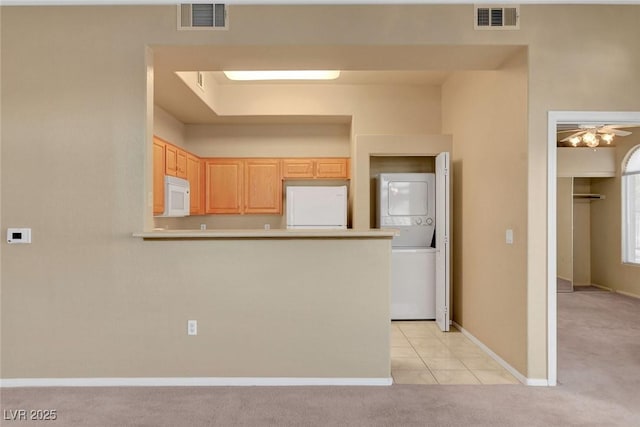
(592, 134)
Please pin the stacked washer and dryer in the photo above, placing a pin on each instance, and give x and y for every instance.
(406, 202)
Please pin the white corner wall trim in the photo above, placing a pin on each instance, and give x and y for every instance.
(501, 361)
(191, 382)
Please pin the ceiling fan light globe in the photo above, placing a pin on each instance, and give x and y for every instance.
(607, 137)
(590, 139)
(575, 141)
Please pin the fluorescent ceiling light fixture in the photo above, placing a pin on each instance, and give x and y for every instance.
(283, 75)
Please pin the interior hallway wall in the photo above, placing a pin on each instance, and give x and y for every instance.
(486, 112)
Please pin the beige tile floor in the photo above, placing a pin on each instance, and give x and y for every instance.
(422, 354)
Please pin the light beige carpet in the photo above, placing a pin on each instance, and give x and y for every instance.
(563, 285)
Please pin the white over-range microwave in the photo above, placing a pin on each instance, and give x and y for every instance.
(176, 197)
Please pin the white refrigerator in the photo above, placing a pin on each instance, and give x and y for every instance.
(316, 207)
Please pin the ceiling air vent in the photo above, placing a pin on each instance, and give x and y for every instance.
(202, 16)
(497, 17)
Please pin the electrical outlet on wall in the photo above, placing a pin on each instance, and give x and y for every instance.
(192, 327)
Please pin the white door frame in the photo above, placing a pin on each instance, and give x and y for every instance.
(554, 118)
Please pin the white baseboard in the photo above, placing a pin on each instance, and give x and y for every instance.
(628, 294)
(538, 382)
(190, 382)
(595, 285)
(502, 362)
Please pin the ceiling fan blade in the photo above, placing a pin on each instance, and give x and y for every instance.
(624, 125)
(614, 130)
(618, 132)
(572, 135)
(568, 130)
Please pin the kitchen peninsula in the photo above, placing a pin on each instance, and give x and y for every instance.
(277, 306)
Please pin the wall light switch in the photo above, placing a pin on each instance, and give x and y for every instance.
(192, 327)
(509, 236)
(18, 235)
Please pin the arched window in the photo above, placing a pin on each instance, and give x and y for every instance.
(631, 207)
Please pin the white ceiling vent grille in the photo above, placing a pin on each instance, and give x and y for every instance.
(202, 16)
(497, 17)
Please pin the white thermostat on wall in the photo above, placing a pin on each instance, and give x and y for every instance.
(18, 235)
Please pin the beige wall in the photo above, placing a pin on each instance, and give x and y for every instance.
(168, 127)
(564, 224)
(607, 268)
(582, 233)
(86, 148)
(273, 140)
(376, 109)
(586, 162)
(256, 317)
(489, 197)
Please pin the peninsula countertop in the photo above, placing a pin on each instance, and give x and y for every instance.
(267, 234)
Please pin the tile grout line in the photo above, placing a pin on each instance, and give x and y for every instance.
(420, 357)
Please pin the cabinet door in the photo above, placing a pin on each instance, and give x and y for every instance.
(263, 186)
(196, 181)
(171, 160)
(332, 168)
(224, 180)
(181, 164)
(158, 176)
(297, 168)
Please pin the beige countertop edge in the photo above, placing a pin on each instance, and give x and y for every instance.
(266, 234)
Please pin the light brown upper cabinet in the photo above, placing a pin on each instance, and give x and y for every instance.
(195, 176)
(158, 176)
(243, 186)
(332, 168)
(175, 161)
(263, 186)
(297, 168)
(224, 184)
(316, 168)
(181, 164)
(171, 160)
